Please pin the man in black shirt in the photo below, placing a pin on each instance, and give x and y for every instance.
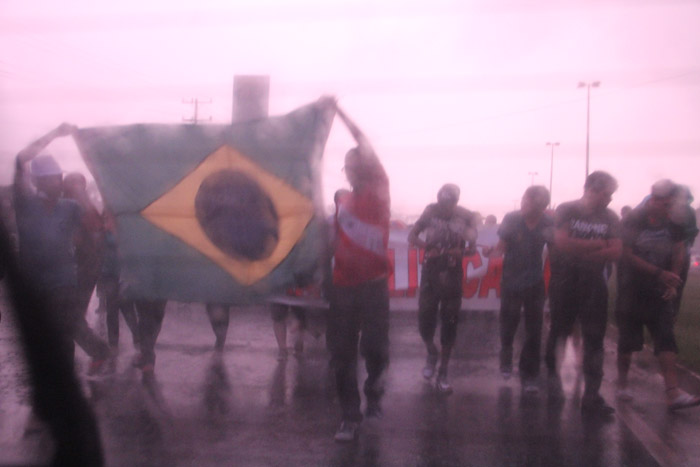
(586, 237)
(522, 237)
(648, 282)
(448, 229)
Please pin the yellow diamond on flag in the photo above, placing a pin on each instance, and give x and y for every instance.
(236, 213)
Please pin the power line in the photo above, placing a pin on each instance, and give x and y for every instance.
(195, 102)
(546, 106)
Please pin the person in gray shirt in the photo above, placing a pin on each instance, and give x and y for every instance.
(586, 238)
(522, 237)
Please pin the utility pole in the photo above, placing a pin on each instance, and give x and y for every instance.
(195, 116)
(551, 169)
(588, 85)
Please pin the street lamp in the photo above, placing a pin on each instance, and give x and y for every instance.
(588, 86)
(551, 168)
(532, 177)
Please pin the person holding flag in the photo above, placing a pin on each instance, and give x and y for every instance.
(359, 304)
(47, 224)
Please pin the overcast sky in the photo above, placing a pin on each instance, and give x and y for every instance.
(466, 92)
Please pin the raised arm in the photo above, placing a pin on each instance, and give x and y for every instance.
(31, 151)
(357, 134)
(365, 151)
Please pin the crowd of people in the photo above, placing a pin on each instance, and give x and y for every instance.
(68, 249)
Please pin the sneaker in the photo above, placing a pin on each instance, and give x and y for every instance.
(148, 375)
(623, 394)
(96, 367)
(373, 410)
(34, 425)
(443, 386)
(138, 361)
(531, 388)
(506, 370)
(596, 405)
(347, 431)
(429, 369)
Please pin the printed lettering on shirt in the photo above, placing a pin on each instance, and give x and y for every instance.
(368, 236)
(587, 230)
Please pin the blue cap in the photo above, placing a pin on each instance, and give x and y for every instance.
(45, 166)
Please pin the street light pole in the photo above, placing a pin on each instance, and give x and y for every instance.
(532, 177)
(588, 86)
(551, 168)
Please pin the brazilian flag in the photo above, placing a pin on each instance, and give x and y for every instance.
(214, 213)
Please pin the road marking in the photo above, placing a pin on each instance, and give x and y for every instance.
(659, 450)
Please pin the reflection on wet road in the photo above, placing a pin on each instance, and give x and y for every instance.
(246, 407)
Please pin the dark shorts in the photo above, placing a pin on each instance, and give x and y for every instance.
(633, 312)
(579, 297)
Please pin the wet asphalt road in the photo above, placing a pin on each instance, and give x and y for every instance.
(247, 408)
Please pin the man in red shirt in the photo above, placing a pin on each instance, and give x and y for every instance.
(359, 303)
(89, 250)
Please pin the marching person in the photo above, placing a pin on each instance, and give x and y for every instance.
(89, 254)
(109, 288)
(359, 304)
(649, 282)
(523, 235)
(47, 224)
(586, 237)
(449, 229)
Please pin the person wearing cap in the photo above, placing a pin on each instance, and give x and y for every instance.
(648, 282)
(47, 224)
(586, 238)
(523, 235)
(449, 232)
(359, 303)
